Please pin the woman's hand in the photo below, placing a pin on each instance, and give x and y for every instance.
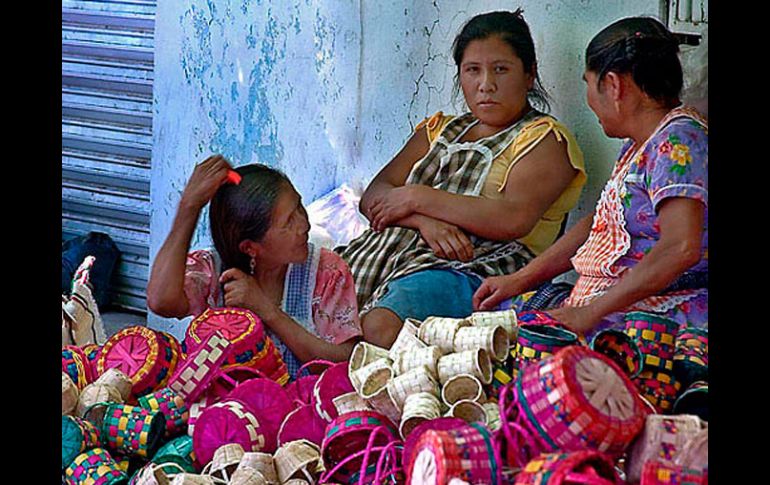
(495, 289)
(207, 177)
(577, 319)
(446, 240)
(393, 205)
(242, 290)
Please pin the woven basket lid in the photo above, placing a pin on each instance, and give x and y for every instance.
(117, 379)
(180, 451)
(226, 422)
(302, 423)
(333, 382)
(241, 327)
(268, 402)
(589, 465)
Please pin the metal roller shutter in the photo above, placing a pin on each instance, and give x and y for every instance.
(107, 74)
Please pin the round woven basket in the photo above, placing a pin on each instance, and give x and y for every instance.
(75, 363)
(303, 423)
(78, 435)
(468, 411)
(95, 466)
(172, 406)
(473, 362)
(416, 380)
(418, 408)
(462, 387)
(268, 402)
(178, 451)
(694, 400)
(299, 457)
(578, 385)
(621, 348)
(365, 353)
(691, 357)
(247, 476)
(199, 369)
(492, 339)
(263, 463)
(505, 318)
(153, 474)
(96, 393)
(655, 335)
(372, 377)
(225, 460)
(537, 341)
(438, 424)
(223, 423)
(440, 331)
(117, 379)
(426, 356)
(382, 402)
(69, 394)
(660, 388)
(333, 382)
(348, 402)
(406, 341)
(585, 466)
(132, 430)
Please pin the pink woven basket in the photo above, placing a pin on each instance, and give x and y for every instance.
(333, 382)
(303, 423)
(350, 433)
(386, 470)
(198, 370)
(660, 473)
(227, 379)
(584, 467)
(75, 363)
(268, 402)
(300, 390)
(223, 423)
(140, 353)
(438, 424)
(91, 352)
(241, 327)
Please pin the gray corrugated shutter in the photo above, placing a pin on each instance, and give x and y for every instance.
(107, 73)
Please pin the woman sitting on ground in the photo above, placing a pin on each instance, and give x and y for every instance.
(263, 262)
(645, 247)
(469, 196)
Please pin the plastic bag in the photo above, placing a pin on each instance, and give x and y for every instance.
(334, 217)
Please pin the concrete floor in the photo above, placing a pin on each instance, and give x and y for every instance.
(114, 321)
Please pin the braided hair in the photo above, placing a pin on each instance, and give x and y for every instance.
(644, 48)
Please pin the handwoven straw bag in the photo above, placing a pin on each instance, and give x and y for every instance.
(75, 363)
(350, 433)
(468, 411)
(427, 356)
(365, 353)
(492, 339)
(198, 370)
(587, 467)
(132, 430)
(506, 318)
(621, 348)
(348, 402)
(297, 459)
(405, 341)
(467, 453)
(536, 341)
(474, 362)
(154, 474)
(303, 423)
(247, 476)
(691, 356)
(172, 406)
(226, 422)
(268, 402)
(141, 354)
(96, 393)
(462, 387)
(576, 399)
(418, 408)
(416, 380)
(694, 400)
(78, 435)
(440, 331)
(69, 394)
(654, 334)
(663, 437)
(263, 463)
(224, 462)
(659, 387)
(333, 382)
(178, 451)
(372, 377)
(656, 472)
(95, 466)
(382, 402)
(117, 379)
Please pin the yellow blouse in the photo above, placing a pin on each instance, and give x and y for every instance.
(547, 228)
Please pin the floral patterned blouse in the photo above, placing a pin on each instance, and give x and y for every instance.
(334, 307)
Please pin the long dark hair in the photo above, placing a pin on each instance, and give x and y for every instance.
(244, 211)
(643, 47)
(514, 31)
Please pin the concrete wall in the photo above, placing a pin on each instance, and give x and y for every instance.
(329, 90)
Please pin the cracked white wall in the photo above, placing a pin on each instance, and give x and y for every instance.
(329, 90)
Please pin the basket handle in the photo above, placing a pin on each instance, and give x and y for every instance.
(92, 406)
(225, 373)
(205, 471)
(327, 363)
(390, 452)
(379, 430)
(330, 473)
(510, 420)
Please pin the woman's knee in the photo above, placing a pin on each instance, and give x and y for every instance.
(381, 327)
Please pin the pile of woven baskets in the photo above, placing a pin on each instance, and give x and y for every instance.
(491, 399)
